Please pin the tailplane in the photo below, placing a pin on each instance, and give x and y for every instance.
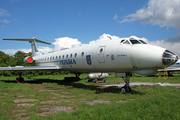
(33, 44)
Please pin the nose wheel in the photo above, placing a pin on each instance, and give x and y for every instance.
(126, 88)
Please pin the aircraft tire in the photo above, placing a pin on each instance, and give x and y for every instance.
(105, 81)
(128, 89)
(123, 90)
(22, 80)
(17, 80)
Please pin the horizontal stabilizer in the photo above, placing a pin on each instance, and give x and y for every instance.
(30, 40)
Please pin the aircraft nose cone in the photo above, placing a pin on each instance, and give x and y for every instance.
(169, 58)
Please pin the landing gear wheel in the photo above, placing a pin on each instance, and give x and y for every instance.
(105, 81)
(19, 80)
(128, 89)
(123, 90)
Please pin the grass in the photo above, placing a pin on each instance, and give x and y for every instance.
(145, 102)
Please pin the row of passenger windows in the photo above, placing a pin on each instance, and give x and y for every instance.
(60, 57)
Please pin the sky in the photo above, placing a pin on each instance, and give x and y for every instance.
(66, 23)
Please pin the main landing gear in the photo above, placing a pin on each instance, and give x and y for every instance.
(126, 87)
(77, 78)
(20, 79)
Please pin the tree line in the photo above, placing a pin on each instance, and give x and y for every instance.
(17, 60)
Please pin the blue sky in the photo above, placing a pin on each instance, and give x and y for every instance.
(87, 20)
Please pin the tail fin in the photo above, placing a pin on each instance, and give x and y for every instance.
(33, 44)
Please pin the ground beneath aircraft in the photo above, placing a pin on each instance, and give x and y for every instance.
(51, 100)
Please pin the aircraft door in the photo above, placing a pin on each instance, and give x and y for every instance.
(100, 55)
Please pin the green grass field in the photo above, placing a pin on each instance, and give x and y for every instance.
(49, 97)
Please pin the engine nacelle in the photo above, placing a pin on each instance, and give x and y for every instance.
(98, 75)
(28, 59)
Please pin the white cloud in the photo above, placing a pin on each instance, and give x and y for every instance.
(4, 12)
(174, 47)
(65, 42)
(4, 21)
(165, 13)
(104, 37)
(13, 51)
(115, 17)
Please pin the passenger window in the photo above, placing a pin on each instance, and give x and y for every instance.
(63, 57)
(48, 59)
(71, 56)
(59, 57)
(56, 57)
(82, 54)
(66, 56)
(75, 55)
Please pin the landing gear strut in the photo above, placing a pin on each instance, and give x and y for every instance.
(126, 87)
(20, 79)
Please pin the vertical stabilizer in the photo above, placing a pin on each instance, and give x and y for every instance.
(33, 44)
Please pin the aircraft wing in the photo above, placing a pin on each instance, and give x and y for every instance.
(20, 68)
(170, 69)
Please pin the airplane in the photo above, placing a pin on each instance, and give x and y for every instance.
(122, 55)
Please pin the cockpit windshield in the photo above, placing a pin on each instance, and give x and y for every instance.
(132, 41)
(142, 42)
(135, 41)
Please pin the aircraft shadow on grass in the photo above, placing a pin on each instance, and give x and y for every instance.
(71, 84)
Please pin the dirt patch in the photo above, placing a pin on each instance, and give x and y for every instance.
(97, 102)
(43, 87)
(24, 100)
(65, 92)
(64, 96)
(50, 102)
(50, 90)
(121, 101)
(54, 102)
(54, 93)
(18, 112)
(21, 96)
(24, 118)
(48, 110)
(1, 96)
(25, 105)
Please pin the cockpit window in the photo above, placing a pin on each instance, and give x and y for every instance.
(122, 41)
(169, 58)
(169, 52)
(142, 42)
(135, 42)
(126, 42)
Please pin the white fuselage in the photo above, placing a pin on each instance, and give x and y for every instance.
(106, 56)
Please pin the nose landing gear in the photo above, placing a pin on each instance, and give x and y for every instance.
(126, 87)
